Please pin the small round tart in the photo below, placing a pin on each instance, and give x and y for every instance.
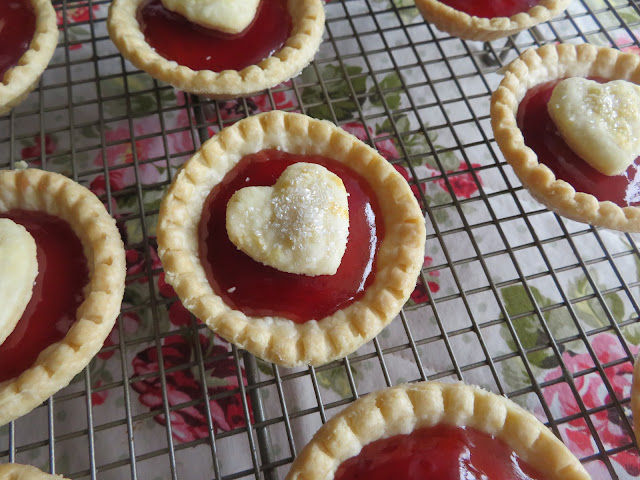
(28, 38)
(14, 471)
(307, 26)
(475, 20)
(276, 338)
(407, 409)
(534, 68)
(40, 195)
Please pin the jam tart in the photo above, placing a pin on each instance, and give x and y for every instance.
(27, 43)
(289, 318)
(373, 435)
(14, 471)
(77, 294)
(552, 172)
(483, 21)
(281, 41)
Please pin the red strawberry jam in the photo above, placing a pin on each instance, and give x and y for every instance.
(176, 38)
(17, 27)
(542, 136)
(258, 290)
(442, 452)
(491, 9)
(57, 293)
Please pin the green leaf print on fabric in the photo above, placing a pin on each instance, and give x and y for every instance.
(336, 379)
(389, 86)
(590, 311)
(337, 88)
(406, 8)
(145, 103)
(528, 328)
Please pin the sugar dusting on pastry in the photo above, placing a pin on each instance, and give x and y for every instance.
(18, 270)
(229, 16)
(300, 225)
(600, 122)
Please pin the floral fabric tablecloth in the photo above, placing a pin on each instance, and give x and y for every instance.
(497, 267)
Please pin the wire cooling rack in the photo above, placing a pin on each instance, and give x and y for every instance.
(511, 297)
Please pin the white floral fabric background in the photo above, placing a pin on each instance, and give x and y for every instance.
(511, 297)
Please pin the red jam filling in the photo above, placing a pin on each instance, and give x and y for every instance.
(442, 452)
(258, 290)
(17, 27)
(542, 136)
(176, 38)
(492, 8)
(57, 293)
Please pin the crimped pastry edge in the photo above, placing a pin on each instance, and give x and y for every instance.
(468, 27)
(14, 471)
(56, 366)
(537, 66)
(289, 61)
(280, 340)
(20, 80)
(635, 399)
(404, 408)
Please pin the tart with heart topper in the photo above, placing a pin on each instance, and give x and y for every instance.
(218, 48)
(62, 265)
(28, 38)
(15, 471)
(566, 120)
(435, 430)
(291, 238)
(487, 21)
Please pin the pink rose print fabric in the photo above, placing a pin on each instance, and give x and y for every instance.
(183, 386)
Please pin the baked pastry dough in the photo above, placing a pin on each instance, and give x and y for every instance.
(468, 27)
(308, 25)
(279, 340)
(20, 80)
(635, 399)
(404, 408)
(300, 225)
(56, 366)
(18, 267)
(548, 63)
(230, 16)
(14, 471)
(600, 122)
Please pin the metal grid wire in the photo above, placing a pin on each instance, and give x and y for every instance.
(437, 77)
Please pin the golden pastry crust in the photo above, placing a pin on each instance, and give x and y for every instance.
(56, 366)
(404, 408)
(14, 471)
(298, 51)
(635, 399)
(547, 63)
(280, 340)
(20, 80)
(468, 27)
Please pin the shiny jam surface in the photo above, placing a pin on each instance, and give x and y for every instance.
(258, 290)
(175, 38)
(542, 136)
(442, 452)
(491, 9)
(57, 293)
(17, 26)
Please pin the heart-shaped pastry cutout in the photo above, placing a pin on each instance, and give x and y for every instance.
(18, 270)
(300, 225)
(229, 16)
(600, 122)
